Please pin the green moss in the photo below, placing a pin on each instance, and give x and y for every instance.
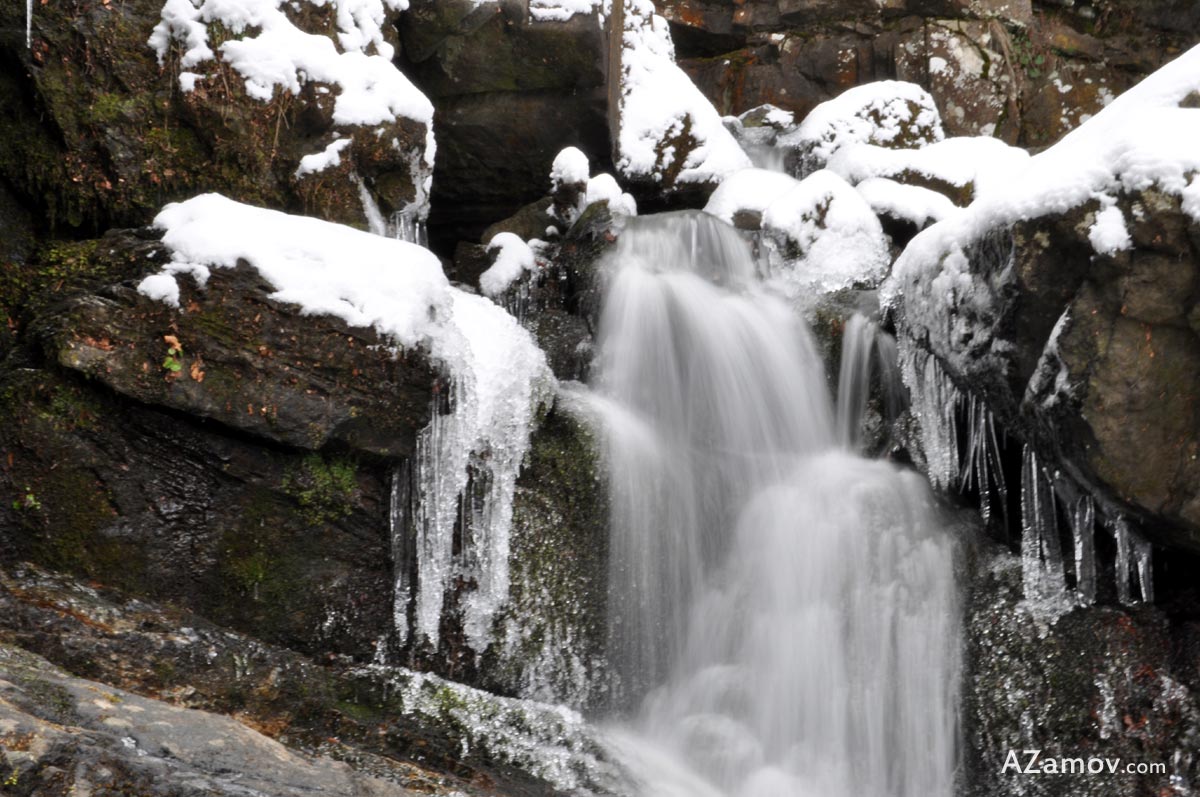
(325, 489)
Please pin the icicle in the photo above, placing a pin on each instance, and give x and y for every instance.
(1083, 530)
(1143, 552)
(406, 225)
(1124, 562)
(28, 24)
(935, 401)
(1041, 552)
(401, 550)
(854, 380)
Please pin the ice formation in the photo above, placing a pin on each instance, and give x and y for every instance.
(547, 741)
(660, 108)
(970, 458)
(469, 456)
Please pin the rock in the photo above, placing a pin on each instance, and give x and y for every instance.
(248, 362)
(554, 637)
(417, 731)
(530, 222)
(1099, 683)
(993, 67)
(231, 455)
(1091, 357)
(99, 135)
(510, 94)
(65, 735)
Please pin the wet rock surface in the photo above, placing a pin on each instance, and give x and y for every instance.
(414, 731)
(65, 735)
(1099, 683)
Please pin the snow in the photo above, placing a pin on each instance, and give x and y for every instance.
(777, 117)
(280, 55)
(885, 113)
(320, 161)
(830, 233)
(1141, 140)
(570, 167)
(514, 258)
(498, 375)
(562, 10)
(161, 287)
(748, 190)
(981, 162)
(604, 188)
(659, 104)
(911, 203)
(1109, 234)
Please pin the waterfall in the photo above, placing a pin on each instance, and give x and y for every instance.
(854, 379)
(783, 613)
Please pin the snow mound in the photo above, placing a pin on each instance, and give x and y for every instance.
(513, 258)
(977, 164)
(828, 234)
(562, 10)
(750, 190)
(911, 203)
(498, 375)
(669, 132)
(604, 188)
(570, 166)
(887, 113)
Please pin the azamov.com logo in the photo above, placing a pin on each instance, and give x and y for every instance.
(1031, 762)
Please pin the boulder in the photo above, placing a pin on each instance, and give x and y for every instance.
(231, 454)
(100, 134)
(510, 92)
(1100, 683)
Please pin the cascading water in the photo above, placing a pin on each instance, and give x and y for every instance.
(783, 611)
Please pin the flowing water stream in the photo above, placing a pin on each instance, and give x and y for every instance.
(783, 614)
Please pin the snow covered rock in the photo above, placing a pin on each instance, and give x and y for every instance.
(829, 238)
(328, 65)
(568, 184)
(959, 168)
(668, 135)
(1065, 296)
(887, 113)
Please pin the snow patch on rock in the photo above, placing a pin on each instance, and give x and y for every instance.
(667, 126)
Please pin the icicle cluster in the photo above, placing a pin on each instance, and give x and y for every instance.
(407, 225)
(968, 458)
